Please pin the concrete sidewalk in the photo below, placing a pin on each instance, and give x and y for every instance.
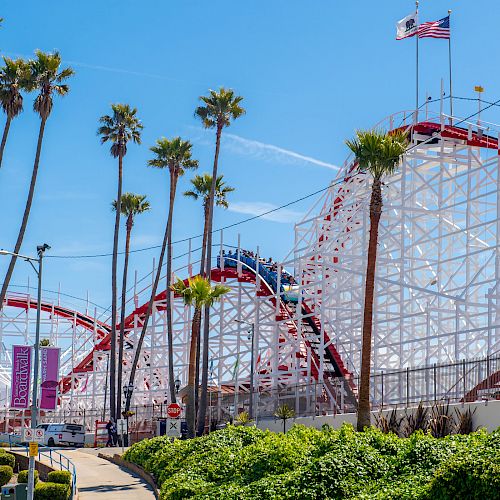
(100, 479)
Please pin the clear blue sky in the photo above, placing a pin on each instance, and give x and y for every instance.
(310, 73)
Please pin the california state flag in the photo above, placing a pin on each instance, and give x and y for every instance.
(407, 27)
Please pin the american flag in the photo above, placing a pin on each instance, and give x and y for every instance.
(435, 29)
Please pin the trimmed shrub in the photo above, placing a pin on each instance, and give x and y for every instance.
(246, 463)
(52, 491)
(6, 474)
(7, 459)
(22, 477)
(60, 477)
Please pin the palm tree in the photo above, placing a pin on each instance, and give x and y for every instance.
(131, 205)
(379, 154)
(202, 185)
(284, 412)
(217, 111)
(198, 293)
(174, 154)
(15, 76)
(119, 128)
(48, 77)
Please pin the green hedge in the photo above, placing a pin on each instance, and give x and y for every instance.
(245, 463)
(60, 476)
(22, 477)
(6, 473)
(7, 458)
(52, 491)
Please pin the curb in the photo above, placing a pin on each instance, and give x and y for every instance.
(135, 469)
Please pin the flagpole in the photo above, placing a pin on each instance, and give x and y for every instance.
(416, 96)
(449, 59)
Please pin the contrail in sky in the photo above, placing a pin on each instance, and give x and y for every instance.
(263, 149)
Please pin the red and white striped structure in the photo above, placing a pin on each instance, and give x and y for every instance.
(437, 298)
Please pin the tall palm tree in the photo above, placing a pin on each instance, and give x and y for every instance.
(119, 128)
(379, 154)
(48, 77)
(198, 293)
(217, 111)
(15, 77)
(175, 155)
(202, 185)
(131, 205)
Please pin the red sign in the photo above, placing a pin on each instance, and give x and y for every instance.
(173, 410)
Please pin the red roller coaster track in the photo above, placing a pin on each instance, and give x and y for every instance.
(102, 331)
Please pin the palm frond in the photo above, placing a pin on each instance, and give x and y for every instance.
(46, 76)
(219, 108)
(120, 128)
(174, 154)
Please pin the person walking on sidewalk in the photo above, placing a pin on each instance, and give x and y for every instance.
(111, 428)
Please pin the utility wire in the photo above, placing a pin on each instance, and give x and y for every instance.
(255, 217)
(183, 240)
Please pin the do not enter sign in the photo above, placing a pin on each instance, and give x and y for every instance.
(173, 410)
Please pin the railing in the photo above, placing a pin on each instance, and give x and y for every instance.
(57, 459)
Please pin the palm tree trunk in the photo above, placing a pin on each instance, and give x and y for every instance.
(170, 333)
(202, 410)
(121, 343)
(4, 137)
(204, 243)
(202, 273)
(147, 316)
(26, 214)
(366, 349)
(112, 364)
(190, 409)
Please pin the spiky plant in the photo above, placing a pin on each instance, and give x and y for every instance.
(284, 412)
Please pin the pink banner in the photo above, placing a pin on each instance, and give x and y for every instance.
(49, 368)
(21, 377)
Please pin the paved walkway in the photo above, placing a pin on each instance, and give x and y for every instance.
(99, 479)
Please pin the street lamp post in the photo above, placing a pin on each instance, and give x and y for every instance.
(251, 334)
(36, 368)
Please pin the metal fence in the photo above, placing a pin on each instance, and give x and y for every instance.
(470, 380)
(55, 459)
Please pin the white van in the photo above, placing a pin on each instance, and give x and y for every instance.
(63, 434)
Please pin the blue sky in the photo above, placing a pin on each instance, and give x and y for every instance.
(310, 73)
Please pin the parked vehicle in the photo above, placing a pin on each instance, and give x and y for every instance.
(57, 434)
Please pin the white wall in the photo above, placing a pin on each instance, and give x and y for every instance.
(487, 415)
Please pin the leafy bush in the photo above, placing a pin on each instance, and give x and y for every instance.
(6, 474)
(7, 459)
(60, 476)
(246, 463)
(52, 491)
(22, 477)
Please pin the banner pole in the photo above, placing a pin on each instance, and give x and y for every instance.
(451, 80)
